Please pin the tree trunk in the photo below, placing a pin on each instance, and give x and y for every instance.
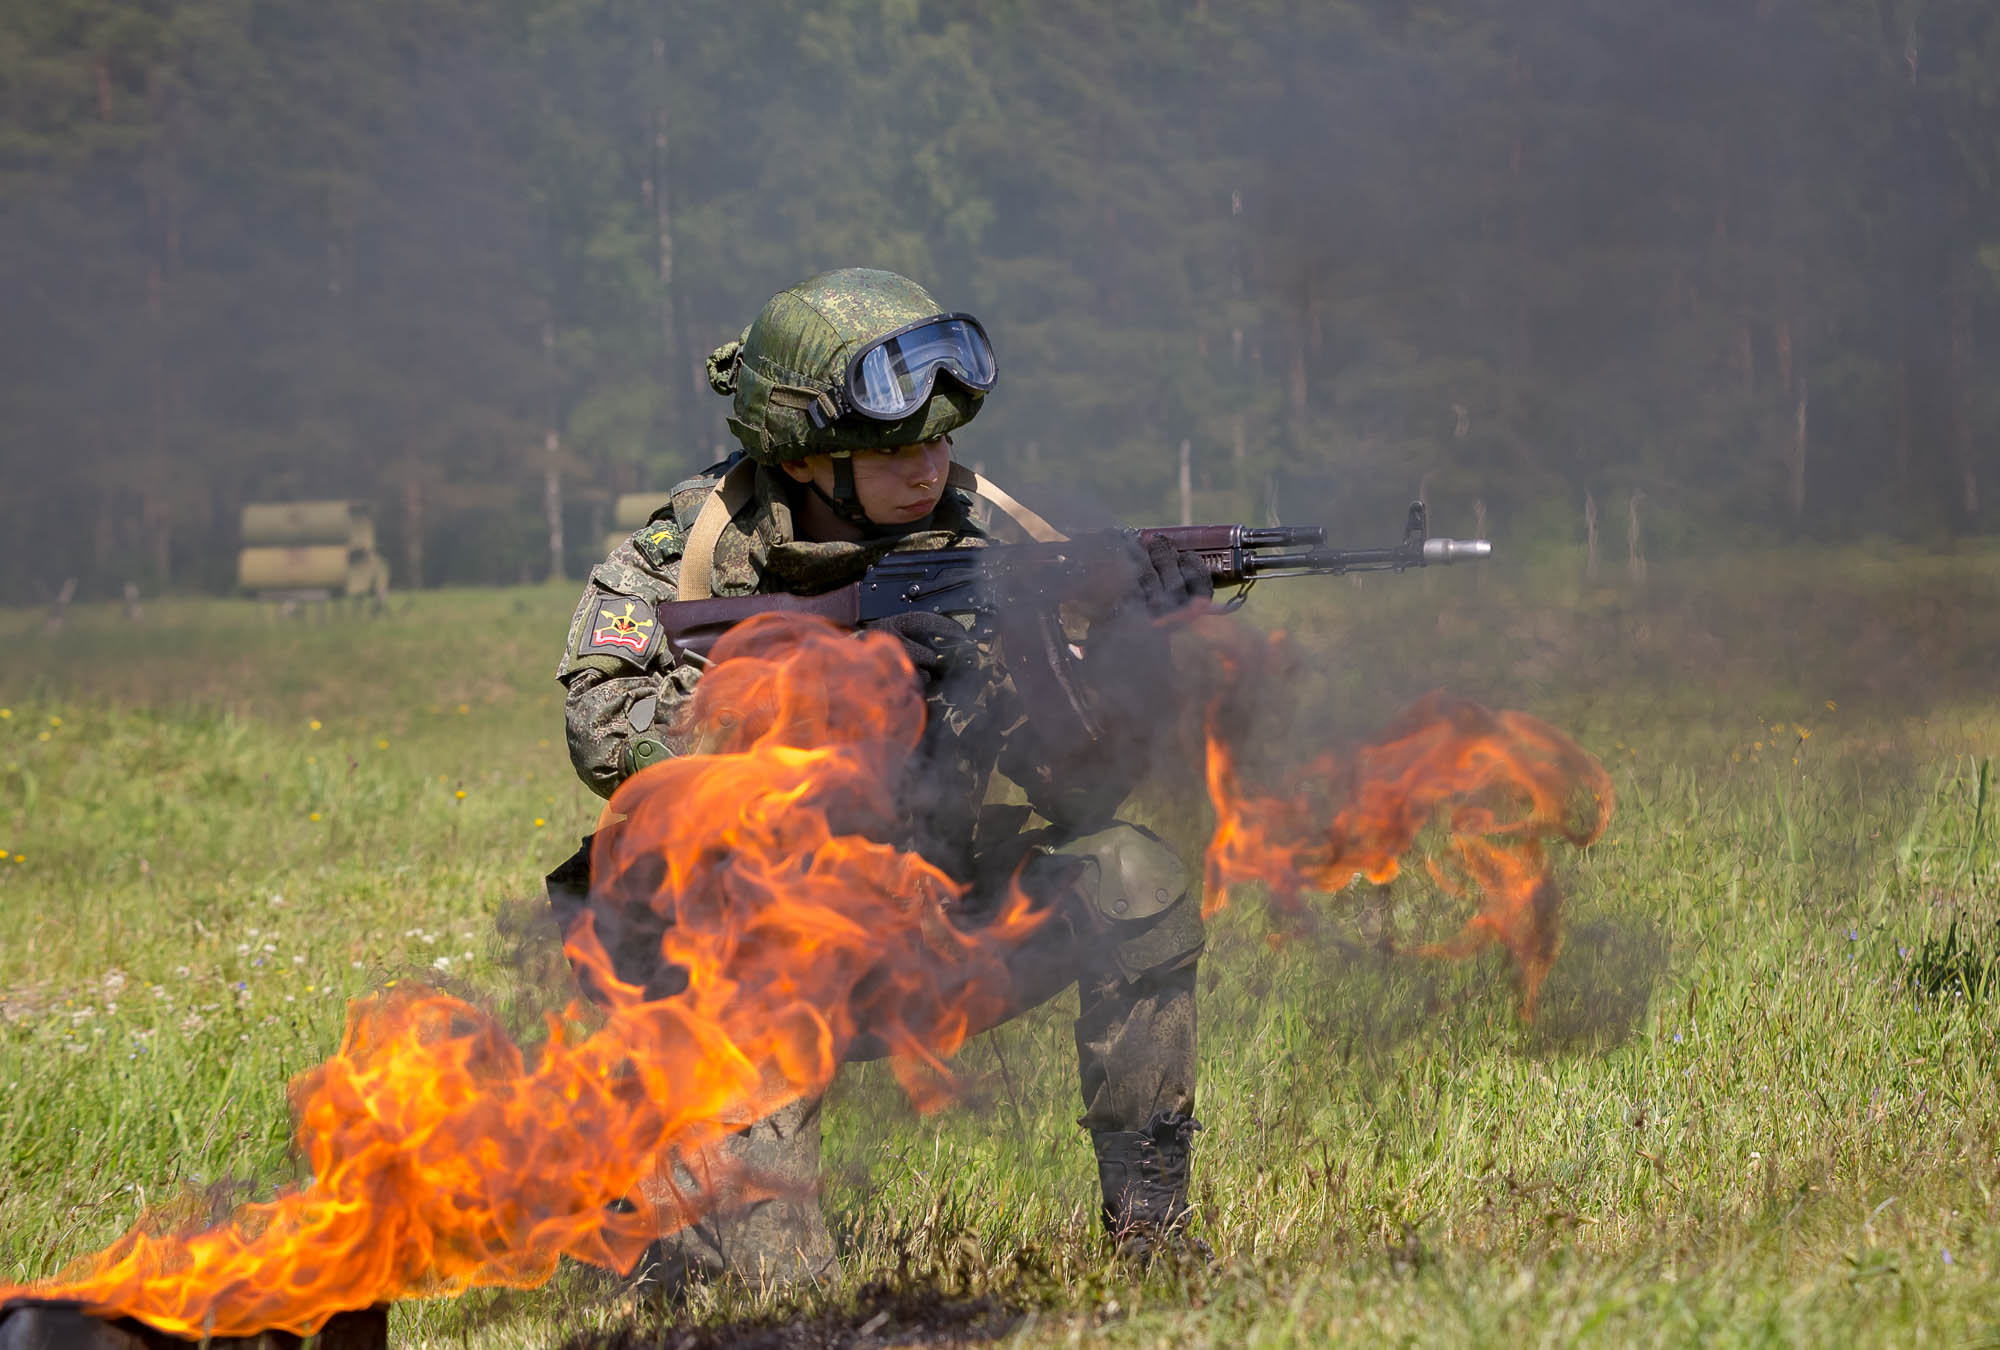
(1635, 553)
(552, 507)
(552, 459)
(1797, 459)
(158, 521)
(670, 353)
(1958, 362)
(1589, 536)
(102, 541)
(413, 531)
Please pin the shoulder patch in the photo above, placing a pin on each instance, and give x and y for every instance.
(621, 627)
(659, 542)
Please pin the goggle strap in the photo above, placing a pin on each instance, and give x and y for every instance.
(825, 409)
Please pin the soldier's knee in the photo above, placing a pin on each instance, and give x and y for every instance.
(1141, 899)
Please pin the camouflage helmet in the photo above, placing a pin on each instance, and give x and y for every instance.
(795, 355)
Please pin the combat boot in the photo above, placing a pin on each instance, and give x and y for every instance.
(1144, 1178)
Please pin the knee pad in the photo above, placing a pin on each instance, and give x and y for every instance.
(1139, 895)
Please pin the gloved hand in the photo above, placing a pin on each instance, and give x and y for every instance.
(1168, 578)
(935, 644)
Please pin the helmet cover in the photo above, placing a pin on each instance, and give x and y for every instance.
(796, 353)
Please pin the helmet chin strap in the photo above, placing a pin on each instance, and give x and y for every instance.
(845, 503)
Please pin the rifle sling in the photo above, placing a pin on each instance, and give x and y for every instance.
(1032, 525)
(728, 496)
(692, 626)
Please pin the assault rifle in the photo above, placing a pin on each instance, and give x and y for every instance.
(1001, 586)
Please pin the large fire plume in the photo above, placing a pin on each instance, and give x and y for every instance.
(443, 1157)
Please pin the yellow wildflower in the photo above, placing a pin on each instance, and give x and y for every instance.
(314, 724)
(463, 709)
(42, 736)
(1831, 706)
(314, 817)
(460, 794)
(381, 744)
(539, 822)
(55, 721)
(6, 713)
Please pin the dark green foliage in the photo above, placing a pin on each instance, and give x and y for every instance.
(1955, 967)
(1737, 262)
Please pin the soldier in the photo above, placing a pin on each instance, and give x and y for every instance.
(845, 391)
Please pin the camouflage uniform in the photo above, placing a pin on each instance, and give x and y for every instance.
(1128, 929)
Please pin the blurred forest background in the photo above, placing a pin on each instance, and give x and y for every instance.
(1732, 261)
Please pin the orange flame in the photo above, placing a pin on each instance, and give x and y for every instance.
(444, 1158)
(1504, 783)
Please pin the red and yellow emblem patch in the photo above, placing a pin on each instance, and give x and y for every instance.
(624, 628)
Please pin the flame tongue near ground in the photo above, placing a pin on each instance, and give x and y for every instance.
(1504, 784)
(445, 1158)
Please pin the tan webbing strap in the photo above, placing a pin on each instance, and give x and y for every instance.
(729, 495)
(965, 480)
(725, 499)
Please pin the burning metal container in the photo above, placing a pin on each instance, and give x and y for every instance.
(29, 1324)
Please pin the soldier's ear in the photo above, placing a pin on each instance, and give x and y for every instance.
(800, 470)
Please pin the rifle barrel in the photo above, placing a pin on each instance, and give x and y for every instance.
(1334, 561)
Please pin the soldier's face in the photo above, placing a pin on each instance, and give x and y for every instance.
(895, 487)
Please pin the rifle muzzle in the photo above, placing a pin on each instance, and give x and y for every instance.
(1456, 550)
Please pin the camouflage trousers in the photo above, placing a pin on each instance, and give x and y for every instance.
(1132, 960)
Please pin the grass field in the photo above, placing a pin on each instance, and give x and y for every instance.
(1761, 1104)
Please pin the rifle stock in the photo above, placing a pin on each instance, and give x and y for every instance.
(691, 627)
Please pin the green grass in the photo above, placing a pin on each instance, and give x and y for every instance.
(1748, 1113)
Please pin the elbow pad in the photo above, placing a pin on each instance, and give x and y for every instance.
(642, 752)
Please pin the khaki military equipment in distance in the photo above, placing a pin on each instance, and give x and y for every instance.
(310, 552)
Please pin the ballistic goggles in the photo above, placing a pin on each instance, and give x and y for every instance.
(891, 377)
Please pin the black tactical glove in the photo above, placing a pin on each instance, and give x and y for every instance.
(1170, 579)
(936, 645)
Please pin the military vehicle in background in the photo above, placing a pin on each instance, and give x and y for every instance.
(310, 552)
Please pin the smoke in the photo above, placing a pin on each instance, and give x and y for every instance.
(1338, 252)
